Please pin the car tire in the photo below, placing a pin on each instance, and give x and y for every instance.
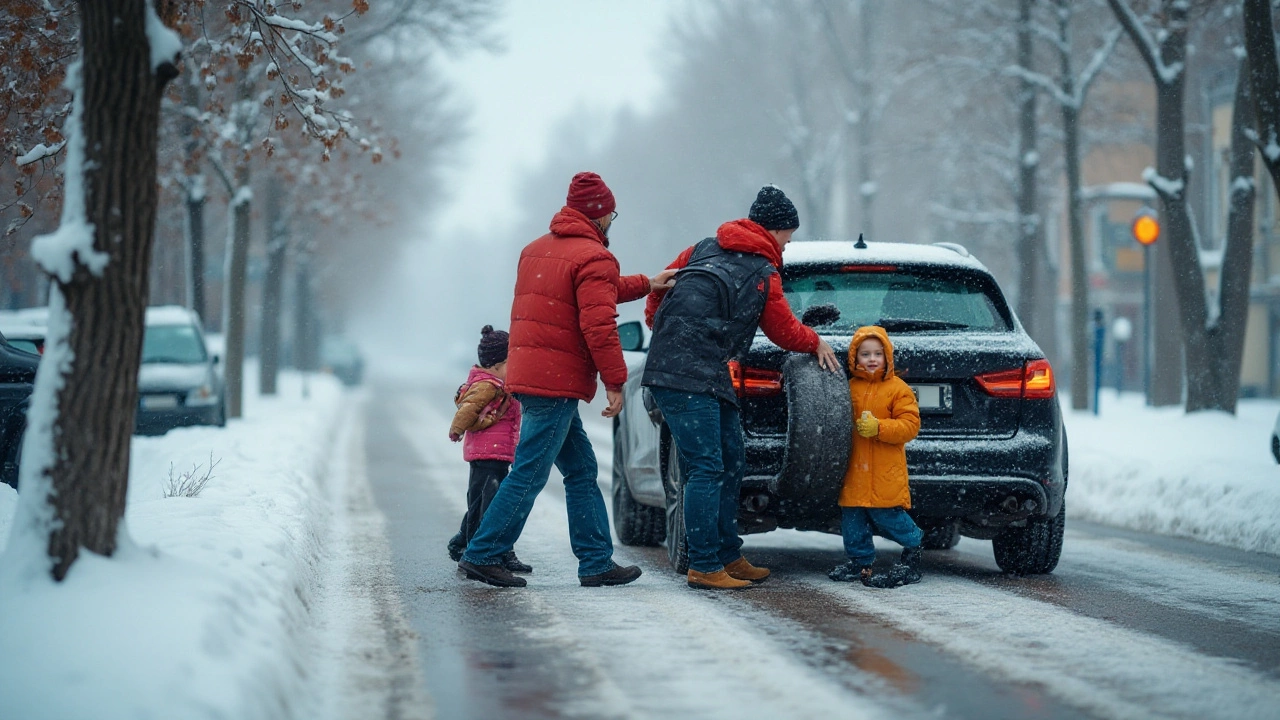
(1034, 549)
(9, 466)
(943, 536)
(677, 540)
(819, 433)
(1275, 448)
(636, 524)
(222, 414)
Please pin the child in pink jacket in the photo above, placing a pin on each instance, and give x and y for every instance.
(488, 424)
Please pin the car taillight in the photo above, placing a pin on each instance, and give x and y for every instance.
(749, 381)
(1033, 381)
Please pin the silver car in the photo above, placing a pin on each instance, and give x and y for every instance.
(178, 381)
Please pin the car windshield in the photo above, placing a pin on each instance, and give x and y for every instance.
(172, 344)
(898, 300)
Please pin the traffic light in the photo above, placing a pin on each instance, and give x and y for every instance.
(1146, 228)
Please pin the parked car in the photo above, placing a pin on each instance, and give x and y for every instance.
(340, 356)
(17, 377)
(990, 460)
(1275, 440)
(178, 381)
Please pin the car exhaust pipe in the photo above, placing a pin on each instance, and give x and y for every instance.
(755, 502)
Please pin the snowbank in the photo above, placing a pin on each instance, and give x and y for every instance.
(204, 614)
(1207, 476)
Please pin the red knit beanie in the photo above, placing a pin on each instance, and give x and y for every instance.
(590, 196)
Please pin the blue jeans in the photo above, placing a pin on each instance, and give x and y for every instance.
(893, 523)
(708, 435)
(550, 434)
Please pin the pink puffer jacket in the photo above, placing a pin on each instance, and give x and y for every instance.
(495, 440)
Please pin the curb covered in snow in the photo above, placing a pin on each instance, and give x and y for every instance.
(1208, 476)
(205, 613)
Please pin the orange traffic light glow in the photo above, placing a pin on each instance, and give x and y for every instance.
(1146, 229)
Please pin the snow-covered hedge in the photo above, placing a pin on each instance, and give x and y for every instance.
(1208, 476)
(204, 614)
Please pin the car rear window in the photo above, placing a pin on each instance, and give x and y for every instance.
(900, 300)
(172, 344)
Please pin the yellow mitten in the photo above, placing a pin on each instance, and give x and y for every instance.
(868, 425)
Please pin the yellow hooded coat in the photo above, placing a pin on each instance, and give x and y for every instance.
(877, 473)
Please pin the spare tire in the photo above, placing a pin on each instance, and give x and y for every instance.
(819, 433)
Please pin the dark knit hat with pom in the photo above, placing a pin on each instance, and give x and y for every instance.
(493, 346)
(772, 210)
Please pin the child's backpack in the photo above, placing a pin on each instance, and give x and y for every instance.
(492, 412)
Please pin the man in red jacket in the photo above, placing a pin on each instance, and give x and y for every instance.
(564, 333)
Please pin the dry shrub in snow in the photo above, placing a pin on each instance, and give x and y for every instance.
(189, 483)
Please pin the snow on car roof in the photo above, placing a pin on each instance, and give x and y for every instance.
(170, 315)
(829, 251)
(25, 317)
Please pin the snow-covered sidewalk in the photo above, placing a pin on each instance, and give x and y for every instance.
(205, 614)
(1208, 476)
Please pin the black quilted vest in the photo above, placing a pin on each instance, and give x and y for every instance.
(709, 318)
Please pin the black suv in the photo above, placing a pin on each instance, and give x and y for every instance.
(990, 461)
(17, 377)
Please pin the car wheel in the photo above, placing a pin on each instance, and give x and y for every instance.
(942, 536)
(9, 468)
(819, 432)
(1275, 448)
(635, 524)
(677, 540)
(1033, 549)
(222, 414)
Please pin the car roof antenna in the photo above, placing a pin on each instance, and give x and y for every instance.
(861, 245)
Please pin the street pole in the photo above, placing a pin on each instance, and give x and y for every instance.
(1099, 337)
(1147, 334)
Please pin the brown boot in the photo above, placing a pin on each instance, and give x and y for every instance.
(740, 569)
(718, 580)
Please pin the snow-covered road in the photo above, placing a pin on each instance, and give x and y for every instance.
(1129, 626)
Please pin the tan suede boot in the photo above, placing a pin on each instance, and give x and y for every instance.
(743, 570)
(718, 580)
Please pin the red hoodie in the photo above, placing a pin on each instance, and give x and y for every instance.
(777, 321)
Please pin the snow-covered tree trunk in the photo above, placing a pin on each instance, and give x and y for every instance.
(237, 257)
(75, 464)
(237, 264)
(1215, 353)
(194, 195)
(272, 291)
(1175, 253)
(1212, 346)
(1080, 345)
(1264, 75)
(1032, 260)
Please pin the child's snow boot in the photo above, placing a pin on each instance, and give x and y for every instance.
(512, 563)
(456, 547)
(904, 572)
(849, 572)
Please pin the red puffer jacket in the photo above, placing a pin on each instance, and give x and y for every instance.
(564, 320)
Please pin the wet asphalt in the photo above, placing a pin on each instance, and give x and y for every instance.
(482, 658)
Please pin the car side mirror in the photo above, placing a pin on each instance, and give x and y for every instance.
(823, 314)
(216, 358)
(631, 335)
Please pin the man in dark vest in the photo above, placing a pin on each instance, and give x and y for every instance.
(726, 287)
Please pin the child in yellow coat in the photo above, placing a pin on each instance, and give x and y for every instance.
(876, 493)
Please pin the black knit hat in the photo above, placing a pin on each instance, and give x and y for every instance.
(493, 346)
(773, 211)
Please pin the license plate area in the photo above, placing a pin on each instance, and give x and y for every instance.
(933, 398)
(159, 402)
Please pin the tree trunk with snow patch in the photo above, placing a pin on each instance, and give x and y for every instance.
(75, 465)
